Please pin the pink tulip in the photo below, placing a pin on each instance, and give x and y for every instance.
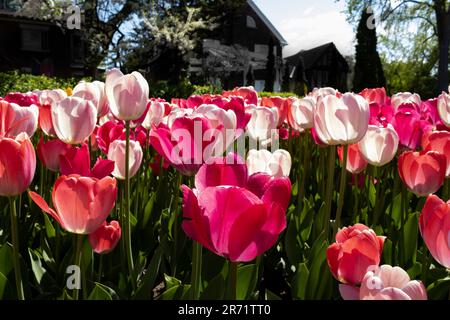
(249, 94)
(229, 219)
(50, 97)
(356, 162)
(15, 119)
(422, 172)
(276, 164)
(341, 121)
(17, 164)
(107, 133)
(379, 145)
(49, 153)
(157, 111)
(45, 120)
(381, 115)
(356, 248)
(263, 123)
(22, 99)
(377, 95)
(116, 153)
(127, 94)
(439, 141)
(106, 237)
(405, 98)
(434, 227)
(319, 93)
(74, 119)
(82, 204)
(279, 103)
(94, 92)
(237, 105)
(385, 283)
(409, 127)
(77, 161)
(301, 113)
(443, 106)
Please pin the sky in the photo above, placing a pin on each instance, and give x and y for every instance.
(306, 24)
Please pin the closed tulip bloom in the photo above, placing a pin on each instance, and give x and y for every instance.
(106, 237)
(341, 121)
(17, 164)
(439, 141)
(379, 145)
(94, 92)
(280, 104)
(356, 162)
(276, 164)
(422, 172)
(434, 225)
(301, 113)
(404, 98)
(249, 94)
(157, 111)
(376, 95)
(74, 119)
(116, 153)
(385, 283)
(409, 127)
(356, 248)
(50, 97)
(15, 119)
(49, 153)
(127, 94)
(231, 220)
(262, 123)
(443, 106)
(81, 204)
(323, 92)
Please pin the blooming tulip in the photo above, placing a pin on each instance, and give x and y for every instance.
(22, 99)
(356, 248)
(82, 204)
(409, 127)
(106, 237)
(276, 164)
(379, 145)
(355, 160)
(301, 113)
(17, 164)
(49, 153)
(280, 104)
(376, 95)
(439, 141)
(341, 121)
(116, 153)
(262, 123)
(157, 111)
(127, 94)
(15, 119)
(249, 94)
(434, 227)
(94, 92)
(443, 106)
(422, 172)
(74, 119)
(404, 98)
(385, 283)
(229, 219)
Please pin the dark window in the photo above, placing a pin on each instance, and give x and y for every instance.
(76, 49)
(35, 38)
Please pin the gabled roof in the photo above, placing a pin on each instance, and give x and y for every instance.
(309, 57)
(267, 22)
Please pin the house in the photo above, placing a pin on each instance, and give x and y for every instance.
(38, 47)
(246, 52)
(323, 66)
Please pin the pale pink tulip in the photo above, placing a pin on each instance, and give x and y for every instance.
(443, 107)
(379, 145)
(301, 113)
(116, 153)
(276, 164)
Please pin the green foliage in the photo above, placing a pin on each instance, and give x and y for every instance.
(277, 94)
(166, 90)
(14, 81)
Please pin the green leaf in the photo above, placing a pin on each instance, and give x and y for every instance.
(148, 210)
(36, 265)
(6, 259)
(439, 290)
(171, 281)
(49, 229)
(144, 291)
(292, 244)
(3, 284)
(271, 296)
(300, 282)
(133, 220)
(316, 275)
(175, 293)
(246, 281)
(215, 290)
(410, 237)
(387, 251)
(102, 292)
(396, 210)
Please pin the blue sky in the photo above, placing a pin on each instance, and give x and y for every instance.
(306, 24)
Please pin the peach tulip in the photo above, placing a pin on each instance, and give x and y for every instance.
(439, 141)
(355, 160)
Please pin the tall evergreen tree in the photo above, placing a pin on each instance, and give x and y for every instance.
(368, 68)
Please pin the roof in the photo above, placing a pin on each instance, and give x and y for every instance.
(310, 56)
(269, 24)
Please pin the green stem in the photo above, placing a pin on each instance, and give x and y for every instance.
(177, 216)
(329, 191)
(378, 174)
(15, 247)
(196, 270)
(100, 268)
(127, 225)
(233, 278)
(342, 183)
(78, 254)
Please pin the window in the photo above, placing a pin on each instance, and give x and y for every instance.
(34, 38)
(262, 49)
(251, 23)
(76, 49)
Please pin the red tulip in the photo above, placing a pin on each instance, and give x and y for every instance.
(82, 204)
(249, 94)
(49, 153)
(279, 103)
(356, 248)
(422, 172)
(17, 164)
(22, 99)
(376, 95)
(230, 219)
(106, 237)
(439, 141)
(434, 227)
(356, 162)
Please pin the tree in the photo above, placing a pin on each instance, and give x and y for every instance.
(368, 69)
(413, 28)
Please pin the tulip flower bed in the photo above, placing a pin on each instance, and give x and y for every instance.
(109, 194)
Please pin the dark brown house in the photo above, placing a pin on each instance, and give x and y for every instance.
(248, 51)
(323, 66)
(38, 47)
